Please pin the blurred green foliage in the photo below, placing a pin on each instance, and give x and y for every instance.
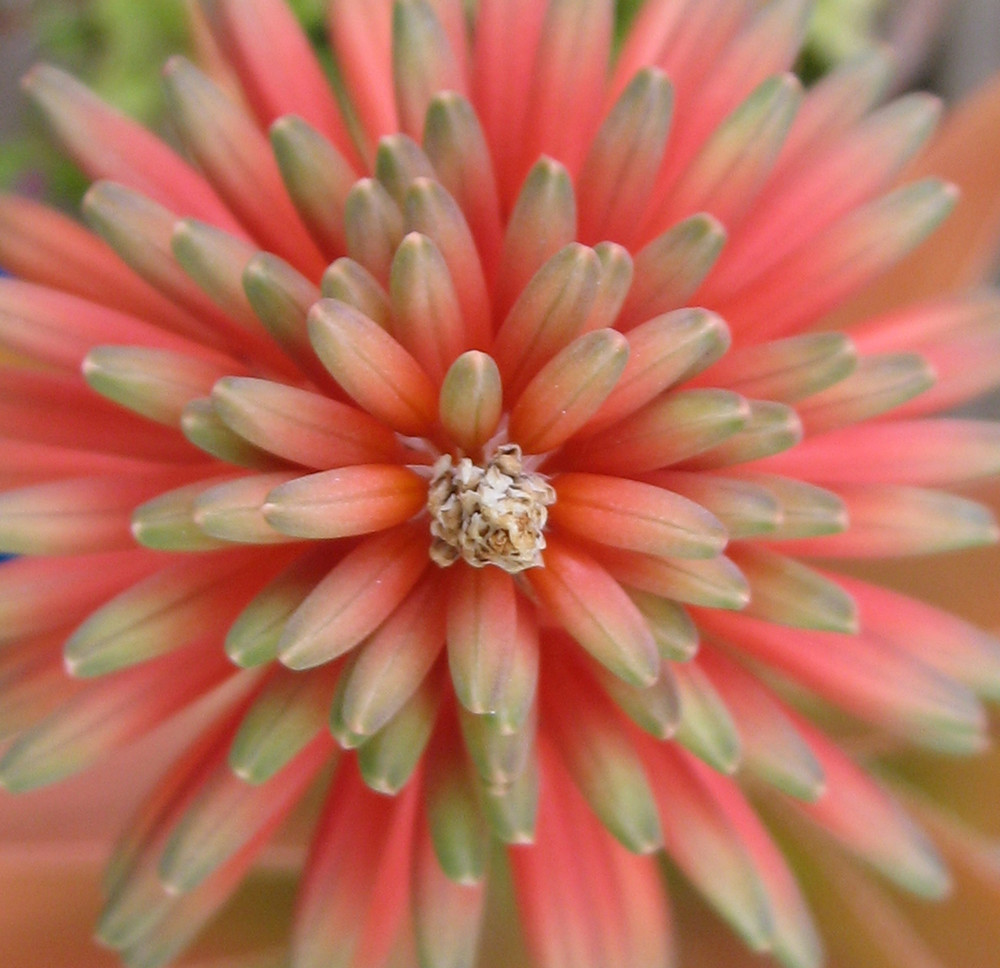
(113, 46)
(838, 31)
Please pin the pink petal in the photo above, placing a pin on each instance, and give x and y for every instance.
(870, 823)
(592, 607)
(355, 888)
(227, 814)
(78, 515)
(361, 35)
(372, 367)
(108, 145)
(565, 99)
(606, 908)
(942, 451)
(501, 79)
(837, 263)
(278, 69)
(636, 516)
(109, 713)
(423, 62)
(61, 411)
(864, 674)
(39, 595)
(794, 938)
(701, 838)
(832, 107)
(355, 597)
(944, 642)
(829, 184)
(42, 246)
(33, 683)
(963, 253)
(481, 635)
(958, 336)
(58, 329)
(238, 160)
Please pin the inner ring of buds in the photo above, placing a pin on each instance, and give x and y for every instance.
(489, 515)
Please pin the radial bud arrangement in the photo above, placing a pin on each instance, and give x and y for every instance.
(461, 441)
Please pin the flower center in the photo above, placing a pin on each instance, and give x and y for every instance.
(489, 515)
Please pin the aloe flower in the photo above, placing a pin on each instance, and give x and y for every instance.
(444, 453)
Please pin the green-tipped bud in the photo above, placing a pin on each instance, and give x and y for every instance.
(511, 810)
(543, 222)
(157, 384)
(204, 428)
(461, 840)
(788, 370)
(318, 179)
(373, 225)
(252, 639)
(770, 429)
(878, 384)
(388, 759)
(281, 298)
(706, 728)
(498, 755)
(471, 400)
(288, 712)
(167, 522)
(568, 391)
(351, 283)
(216, 261)
(398, 162)
(807, 511)
(670, 268)
(673, 428)
(675, 633)
(655, 708)
(234, 511)
(550, 311)
(744, 507)
(789, 593)
(427, 316)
